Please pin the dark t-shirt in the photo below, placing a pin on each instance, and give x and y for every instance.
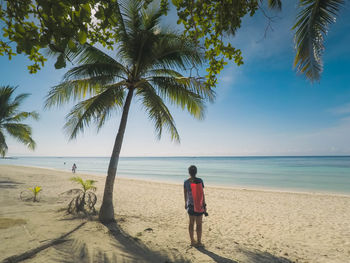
(187, 186)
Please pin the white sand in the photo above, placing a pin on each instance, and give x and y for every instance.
(243, 225)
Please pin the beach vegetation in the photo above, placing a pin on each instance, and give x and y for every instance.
(147, 64)
(31, 26)
(31, 194)
(11, 119)
(35, 190)
(84, 199)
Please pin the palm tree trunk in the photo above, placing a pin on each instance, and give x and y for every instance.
(107, 211)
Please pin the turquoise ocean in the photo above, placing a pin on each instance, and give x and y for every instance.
(329, 174)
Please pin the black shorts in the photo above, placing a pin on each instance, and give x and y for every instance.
(191, 211)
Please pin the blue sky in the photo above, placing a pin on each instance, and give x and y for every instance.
(262, 108)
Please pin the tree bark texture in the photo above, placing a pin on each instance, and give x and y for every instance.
(107, 210)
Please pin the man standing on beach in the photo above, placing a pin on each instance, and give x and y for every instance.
(194, 204)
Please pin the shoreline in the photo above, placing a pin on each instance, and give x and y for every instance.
(181, 156)
(243, 225)
(233, 187)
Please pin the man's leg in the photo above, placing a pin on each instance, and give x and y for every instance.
(190, 229)
(199, 228)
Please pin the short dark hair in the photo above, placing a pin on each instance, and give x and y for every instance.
(192, 170)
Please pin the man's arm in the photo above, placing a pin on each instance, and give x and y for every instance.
(185, 196)
(204, 203)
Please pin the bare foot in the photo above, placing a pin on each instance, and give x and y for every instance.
(193, 243)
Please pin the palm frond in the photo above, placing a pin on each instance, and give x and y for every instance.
(12, 106)
(22, 116)
(105, 72)
(73, 90)
(195, 85)
(35, 189)
(311, 27)
(6, 108)
(10, 117)
(89, 185)
(6, 92)
(116, 101)
(97, 69)
(96, 108)
(77, 179)
(121, 5)
(275, 4)
(156, 47)
(88, 54)
(172, 51)
(137, 45)
(86, 185)
(131, 17)
(151, 18)
(158, 112)
(165, 72)
(18, 99)
(21, 132)
(181, 92)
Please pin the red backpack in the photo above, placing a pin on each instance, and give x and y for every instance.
(197, 194)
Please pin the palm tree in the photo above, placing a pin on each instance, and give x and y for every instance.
(146, 65)
(11, 118)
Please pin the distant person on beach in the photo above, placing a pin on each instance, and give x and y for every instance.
(74, 168)
(195, 204)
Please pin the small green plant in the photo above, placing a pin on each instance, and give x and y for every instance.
(32, 194)
(85, 198)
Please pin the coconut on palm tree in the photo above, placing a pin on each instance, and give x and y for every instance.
(11, 119)
(148, 64)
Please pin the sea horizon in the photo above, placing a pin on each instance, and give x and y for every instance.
(170, 156)
(323, 174)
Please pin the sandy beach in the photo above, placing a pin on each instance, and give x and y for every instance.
(242, 226)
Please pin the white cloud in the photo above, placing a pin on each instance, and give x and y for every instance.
(332, 140)
(228, 79)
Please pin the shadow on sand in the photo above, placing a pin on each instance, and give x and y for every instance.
(139, 250)
(215, 257)
(128, 249)
(255, 256)
(8, 184)
(74, 251)
(263, 257)
(32, 252)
